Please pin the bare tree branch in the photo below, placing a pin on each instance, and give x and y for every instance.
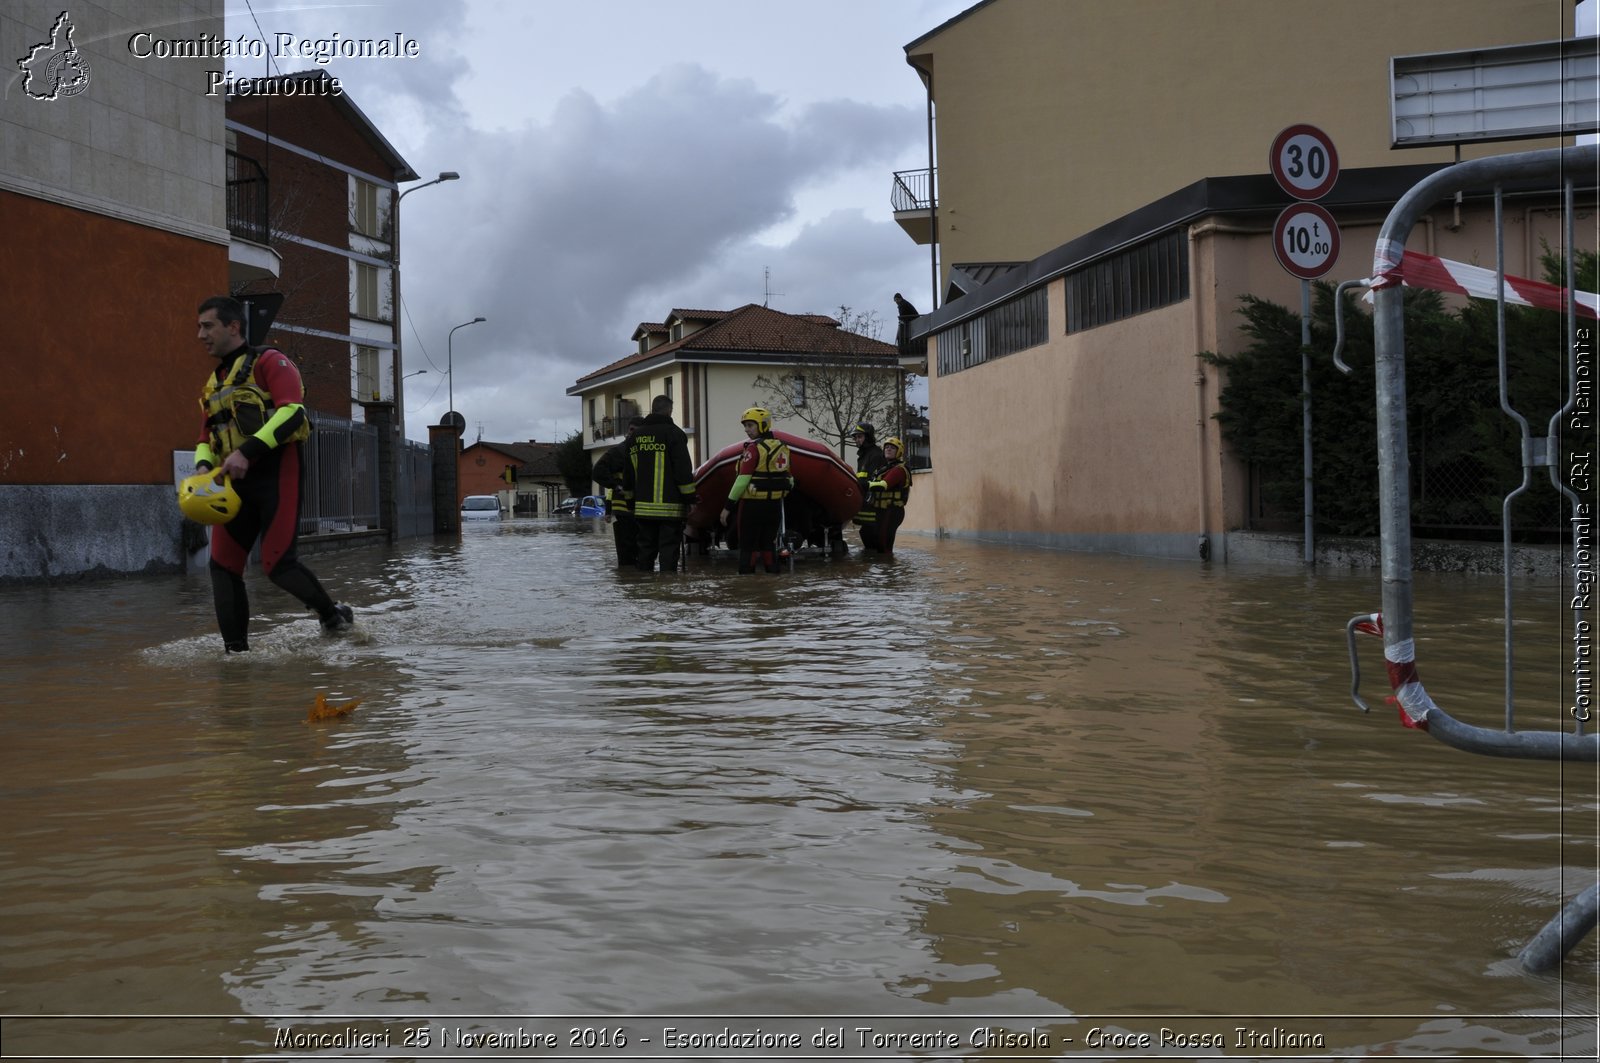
(832, 391)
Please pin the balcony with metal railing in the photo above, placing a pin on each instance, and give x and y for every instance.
(250, 257)
(912, 198)
(247, 199)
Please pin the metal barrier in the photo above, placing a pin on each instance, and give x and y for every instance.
(1395, 622)
(340, 492)
(413, 489)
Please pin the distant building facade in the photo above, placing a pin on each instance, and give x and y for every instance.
(1100, 201)
(708, 362)
(535, 484)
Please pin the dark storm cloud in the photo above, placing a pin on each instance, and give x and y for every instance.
(579, 227)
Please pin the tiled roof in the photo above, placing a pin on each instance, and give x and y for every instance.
(699, 315)
(758, 330)
(536, 459)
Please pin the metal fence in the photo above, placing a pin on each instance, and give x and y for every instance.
(413, 489)
(340, 490)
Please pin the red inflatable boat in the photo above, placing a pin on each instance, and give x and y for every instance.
(825, 486)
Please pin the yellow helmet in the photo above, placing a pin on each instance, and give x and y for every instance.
(894, 441)
(205, 501)
(761, 417)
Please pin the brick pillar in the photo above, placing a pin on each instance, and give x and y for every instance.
(445, 441)
(381, 416)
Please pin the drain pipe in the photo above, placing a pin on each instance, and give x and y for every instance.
(1209, 227)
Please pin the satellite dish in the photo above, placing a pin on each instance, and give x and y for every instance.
(453, 420)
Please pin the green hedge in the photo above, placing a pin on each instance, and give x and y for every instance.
(1465, 452)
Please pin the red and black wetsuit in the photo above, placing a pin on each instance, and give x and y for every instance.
(269, 493)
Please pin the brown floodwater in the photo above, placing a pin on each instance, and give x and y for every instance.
(977, 803)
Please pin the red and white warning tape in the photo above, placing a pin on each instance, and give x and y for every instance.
(1392, 264)
(1401, 660)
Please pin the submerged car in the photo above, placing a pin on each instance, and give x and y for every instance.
(587, 506)
(480, 507)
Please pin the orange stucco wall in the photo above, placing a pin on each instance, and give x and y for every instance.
(98, 344)
(475, 479)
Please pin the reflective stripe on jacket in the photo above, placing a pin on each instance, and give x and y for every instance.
(898, 480)
(659, 472)
(610, 472)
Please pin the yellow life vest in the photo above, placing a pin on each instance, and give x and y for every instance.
(893, 497)
(237, 408)
(771, 478)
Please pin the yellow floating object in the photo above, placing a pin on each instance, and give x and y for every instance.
(322, 710)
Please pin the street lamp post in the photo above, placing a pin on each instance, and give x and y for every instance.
(399, 397)
(450, 363)
(447, 175)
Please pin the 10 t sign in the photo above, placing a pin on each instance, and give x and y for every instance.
(1305, 236)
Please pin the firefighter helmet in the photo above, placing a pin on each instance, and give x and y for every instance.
(761, 417)
(206, 501)
(865, 429)
(892, 441)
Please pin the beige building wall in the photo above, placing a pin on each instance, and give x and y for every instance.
(1055, 117)
(1107, 439)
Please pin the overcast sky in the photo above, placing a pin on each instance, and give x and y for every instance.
(619, 158)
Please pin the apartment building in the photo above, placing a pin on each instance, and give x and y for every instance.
(335, 185)
(712, 364)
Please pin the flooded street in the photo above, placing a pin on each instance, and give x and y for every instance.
(1099, 796)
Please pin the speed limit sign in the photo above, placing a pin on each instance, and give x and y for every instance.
(1306, 240)
(1304, 162)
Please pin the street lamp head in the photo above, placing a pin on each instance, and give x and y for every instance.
(478, 319)
(449, 175)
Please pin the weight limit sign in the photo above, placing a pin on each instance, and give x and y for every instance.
(1306, 240)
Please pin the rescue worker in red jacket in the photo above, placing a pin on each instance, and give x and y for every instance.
(761, 482)
(661, 478)
(890, 489)
(254, 422)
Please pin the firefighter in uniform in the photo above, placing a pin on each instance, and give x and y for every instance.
(662, 481)
(890, 489)
(869, 459)
(254, 422)
(761, 482)
(610, 474)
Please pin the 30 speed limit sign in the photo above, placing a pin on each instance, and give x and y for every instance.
(1304, 162)
(1306, 240)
